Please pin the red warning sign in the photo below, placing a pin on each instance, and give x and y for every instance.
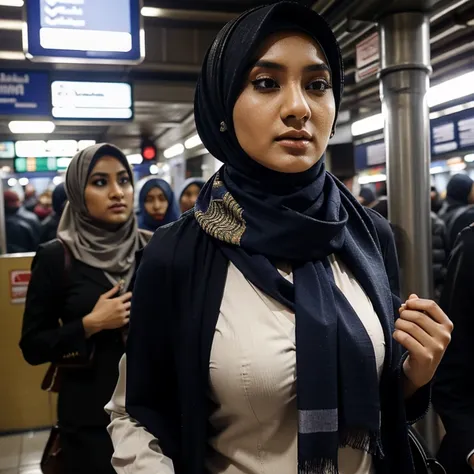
(19, 280)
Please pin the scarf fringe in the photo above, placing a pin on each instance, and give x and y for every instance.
(318, 466)
(363, 441)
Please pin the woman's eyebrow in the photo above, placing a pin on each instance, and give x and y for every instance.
(280, 67)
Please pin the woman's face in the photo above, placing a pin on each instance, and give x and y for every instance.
(189, 197)
(109, 192)
(284, 116)
(156, 204)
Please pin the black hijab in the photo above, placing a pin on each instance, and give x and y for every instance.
(259, 216)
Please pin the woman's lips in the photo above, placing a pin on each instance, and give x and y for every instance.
(294, 143)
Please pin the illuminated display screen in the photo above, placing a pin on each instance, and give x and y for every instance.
(84, 31)
(34, 165)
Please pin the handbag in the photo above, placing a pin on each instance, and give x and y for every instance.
(424, 462)
(51, 461)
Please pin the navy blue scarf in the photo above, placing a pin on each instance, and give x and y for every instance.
(147, 222)
(260, 218)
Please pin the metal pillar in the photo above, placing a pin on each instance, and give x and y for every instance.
(404, 80)
(3, 234)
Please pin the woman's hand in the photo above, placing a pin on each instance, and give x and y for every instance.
(424, 330)
(109, 312)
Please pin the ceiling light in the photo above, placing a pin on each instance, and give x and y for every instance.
(12, 55)
(436, 170)
(151, 12)
(11, 3)
(469, 158)
(135, 159)
(63, 162)
(13, 25)
(367, 125)
(458, 167)
(175, 150)
(81, 144)
(23, 181)
(375, 178)
(17, 126)
(452, 89)
(166, 168)
(57, 180)
(192, 142)
(154, 169)
(12, 182)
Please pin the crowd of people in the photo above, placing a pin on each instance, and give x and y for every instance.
(35, 220)
(262, 330)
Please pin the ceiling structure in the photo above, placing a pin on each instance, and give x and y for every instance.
(178, 33)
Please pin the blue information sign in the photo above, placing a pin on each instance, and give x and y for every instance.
(450, 133)
(106, 31)
(24, 93)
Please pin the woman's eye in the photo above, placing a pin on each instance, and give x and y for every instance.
(264, 84)
(124, 180)
(99, 182)
(320, 86)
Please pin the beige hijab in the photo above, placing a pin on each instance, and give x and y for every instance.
(112, 251)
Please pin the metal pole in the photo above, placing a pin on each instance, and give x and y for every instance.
(404, 81)
(3, 234)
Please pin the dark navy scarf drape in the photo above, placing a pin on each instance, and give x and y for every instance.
(260, 217)
(145, 221)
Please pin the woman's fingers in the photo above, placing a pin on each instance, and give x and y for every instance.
(408, 342)
(431, 309)
(420, 319)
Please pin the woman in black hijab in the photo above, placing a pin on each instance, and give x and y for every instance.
(272, 348)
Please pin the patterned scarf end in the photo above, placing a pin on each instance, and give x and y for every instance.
(318, 466)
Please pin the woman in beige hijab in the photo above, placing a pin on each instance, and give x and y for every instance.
(78, 303)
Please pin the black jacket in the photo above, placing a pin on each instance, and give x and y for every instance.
(456, 216)
(175, 307)
(439, 253)
(49, 228)
(453, 390)
(21, 237)
(55, 294)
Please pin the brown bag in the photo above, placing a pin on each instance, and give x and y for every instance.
(51, 461)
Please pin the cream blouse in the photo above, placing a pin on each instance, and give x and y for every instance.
(252, 375)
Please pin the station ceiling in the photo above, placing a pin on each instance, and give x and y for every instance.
(178, 33)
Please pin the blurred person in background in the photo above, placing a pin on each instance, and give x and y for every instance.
(78, 303)
(31, 218)
(457, 211)
(453, 389)
(157, 204)
(367, 197)
(49, 226)
(263, 335)
(44, 208)
(436, 201)
(30, 200)
(21, 236)
(189, 193)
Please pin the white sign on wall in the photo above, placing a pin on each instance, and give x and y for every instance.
(92, 100)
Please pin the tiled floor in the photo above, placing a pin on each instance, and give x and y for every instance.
(21, 454)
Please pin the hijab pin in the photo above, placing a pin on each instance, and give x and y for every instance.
(223, 127)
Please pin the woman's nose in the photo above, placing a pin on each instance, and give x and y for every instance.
(295, 105)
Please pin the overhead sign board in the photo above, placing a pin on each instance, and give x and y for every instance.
(34, 165)
(7, 150)
(92, 100)
(50, 148)
(24, 93)
(105, 31)
(451, 133)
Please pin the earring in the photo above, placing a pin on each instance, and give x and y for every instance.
(223, 127)
(332, 134)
